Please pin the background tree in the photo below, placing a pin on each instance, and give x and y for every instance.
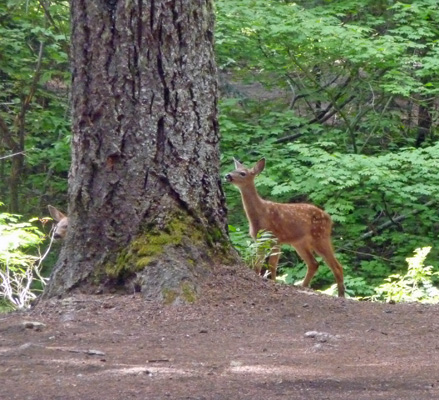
(146, 209)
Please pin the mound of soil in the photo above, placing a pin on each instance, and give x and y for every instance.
(245, 338)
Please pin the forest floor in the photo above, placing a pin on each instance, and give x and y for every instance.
(246, 338)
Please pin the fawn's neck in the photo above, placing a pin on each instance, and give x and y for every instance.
(252, 202)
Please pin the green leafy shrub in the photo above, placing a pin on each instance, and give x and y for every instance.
(415, 285)
(253, 252)
(20, 269)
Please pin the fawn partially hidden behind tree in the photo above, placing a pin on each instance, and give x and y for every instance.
(62, 222)
(304, 226)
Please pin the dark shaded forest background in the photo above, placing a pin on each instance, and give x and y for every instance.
(341, 97)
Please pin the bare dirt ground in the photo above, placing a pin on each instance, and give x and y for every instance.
(245, 338)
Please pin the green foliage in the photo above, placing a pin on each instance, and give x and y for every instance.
(34, 85)
(20, 269)
(354, 285)
(253, 252)
(415, 285)
(357, 78)
(294, 275)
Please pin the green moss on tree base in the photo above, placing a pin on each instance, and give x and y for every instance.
(153, 242)
(169, 296)
(186, 292)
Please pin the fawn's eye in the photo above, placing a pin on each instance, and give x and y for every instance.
(242, 173)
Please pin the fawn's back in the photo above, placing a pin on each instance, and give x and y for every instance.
(291, 223)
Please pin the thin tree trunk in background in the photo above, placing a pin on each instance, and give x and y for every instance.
(424, 123)
(146, 207)
(13, 181)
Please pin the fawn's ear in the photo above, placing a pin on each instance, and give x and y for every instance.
(55, 213)
(238, 165)
(259, 166)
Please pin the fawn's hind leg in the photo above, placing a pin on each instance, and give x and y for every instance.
(325, 250)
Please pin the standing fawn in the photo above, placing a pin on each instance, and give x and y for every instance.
(305, 227)
(62, 222)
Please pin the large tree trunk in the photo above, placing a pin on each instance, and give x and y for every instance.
(146, 206)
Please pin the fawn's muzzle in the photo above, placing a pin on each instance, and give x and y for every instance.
(229, 178)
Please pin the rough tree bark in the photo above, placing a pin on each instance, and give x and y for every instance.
(146, 207)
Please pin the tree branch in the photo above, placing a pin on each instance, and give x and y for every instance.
(393, 221)
(45, 7)
(314, 120)
(11, 155)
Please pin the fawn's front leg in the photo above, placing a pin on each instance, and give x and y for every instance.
(273, 261)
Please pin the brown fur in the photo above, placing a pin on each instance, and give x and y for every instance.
(304, 226)
(60, 230)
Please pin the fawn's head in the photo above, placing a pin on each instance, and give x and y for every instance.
(243, 176)
(62, 222)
